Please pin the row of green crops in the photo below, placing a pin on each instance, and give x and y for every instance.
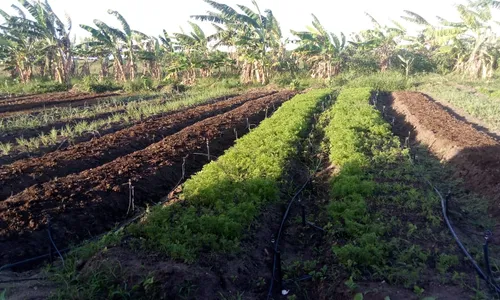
(221, 201)
(385, 223)
(133, 112)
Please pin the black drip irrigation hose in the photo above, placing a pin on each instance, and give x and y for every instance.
(485, 276)
(444, 207)
(53, 243)
(276, 274)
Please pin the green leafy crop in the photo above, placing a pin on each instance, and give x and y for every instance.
(380, 211)
(222, 200)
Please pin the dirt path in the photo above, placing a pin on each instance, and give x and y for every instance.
(38, 102)
(91, 202)
(24, 173)
(474, 154)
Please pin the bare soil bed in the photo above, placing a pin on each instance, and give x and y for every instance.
(91, 202)
(24, 173)
(474, 154)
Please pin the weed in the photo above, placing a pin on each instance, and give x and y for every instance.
(446, 262)
(351, 284)
(418, 290)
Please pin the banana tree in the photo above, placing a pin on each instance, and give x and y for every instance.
(102, 45)
(120, 43)
(47, 27)
(194, 46)
(256, 37)
(381, 40)
(322, 50)
(17, 48)
(471, 41)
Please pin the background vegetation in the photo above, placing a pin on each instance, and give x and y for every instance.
(248, 46)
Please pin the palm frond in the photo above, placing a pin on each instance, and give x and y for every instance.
(19, 11)
(373, 20)
(125, 26)
(415, 18)
(5, 15)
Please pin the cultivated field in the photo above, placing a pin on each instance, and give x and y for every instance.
(249, 162)
(357, 171)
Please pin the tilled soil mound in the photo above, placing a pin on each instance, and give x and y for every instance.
(24, 173)
(89, 203)
(474, 154)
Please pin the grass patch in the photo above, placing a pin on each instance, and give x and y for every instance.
(387, 81)
(35, 86)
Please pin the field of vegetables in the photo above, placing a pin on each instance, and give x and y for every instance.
(320, 195)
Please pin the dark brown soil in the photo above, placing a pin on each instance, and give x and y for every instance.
(474, 154)
(37, 102)
(17, 176)
(91, 202)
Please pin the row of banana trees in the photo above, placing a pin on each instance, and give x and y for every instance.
(247, 41)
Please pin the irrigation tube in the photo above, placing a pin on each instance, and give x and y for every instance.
(277, 253)
(444, 207)
(280, 231)
(276, 243)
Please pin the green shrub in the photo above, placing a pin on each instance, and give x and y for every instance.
(283, 80)
(142, 84)
(387, 81)
(222, 200)
(92, 84)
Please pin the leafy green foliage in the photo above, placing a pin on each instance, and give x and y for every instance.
(375, 195)
(93, 85)
(32, 87)
(389, 81)
(89, 286)
(223, 199)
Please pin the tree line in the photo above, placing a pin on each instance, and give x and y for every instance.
(248, 42)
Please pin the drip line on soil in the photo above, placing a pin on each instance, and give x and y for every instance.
(444, 208)
(277, 253)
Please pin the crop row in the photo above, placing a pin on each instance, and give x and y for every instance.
(385, 223)
(133, 112)
(220, 202)
(97, 197)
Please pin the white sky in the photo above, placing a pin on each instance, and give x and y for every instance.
(151, 16)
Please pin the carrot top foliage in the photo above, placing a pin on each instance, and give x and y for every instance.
(221, 201)
(384, 220)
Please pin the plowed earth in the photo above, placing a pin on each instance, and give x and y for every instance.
(474, 154)
(26, 104)
(21, 174)
(91, 202)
